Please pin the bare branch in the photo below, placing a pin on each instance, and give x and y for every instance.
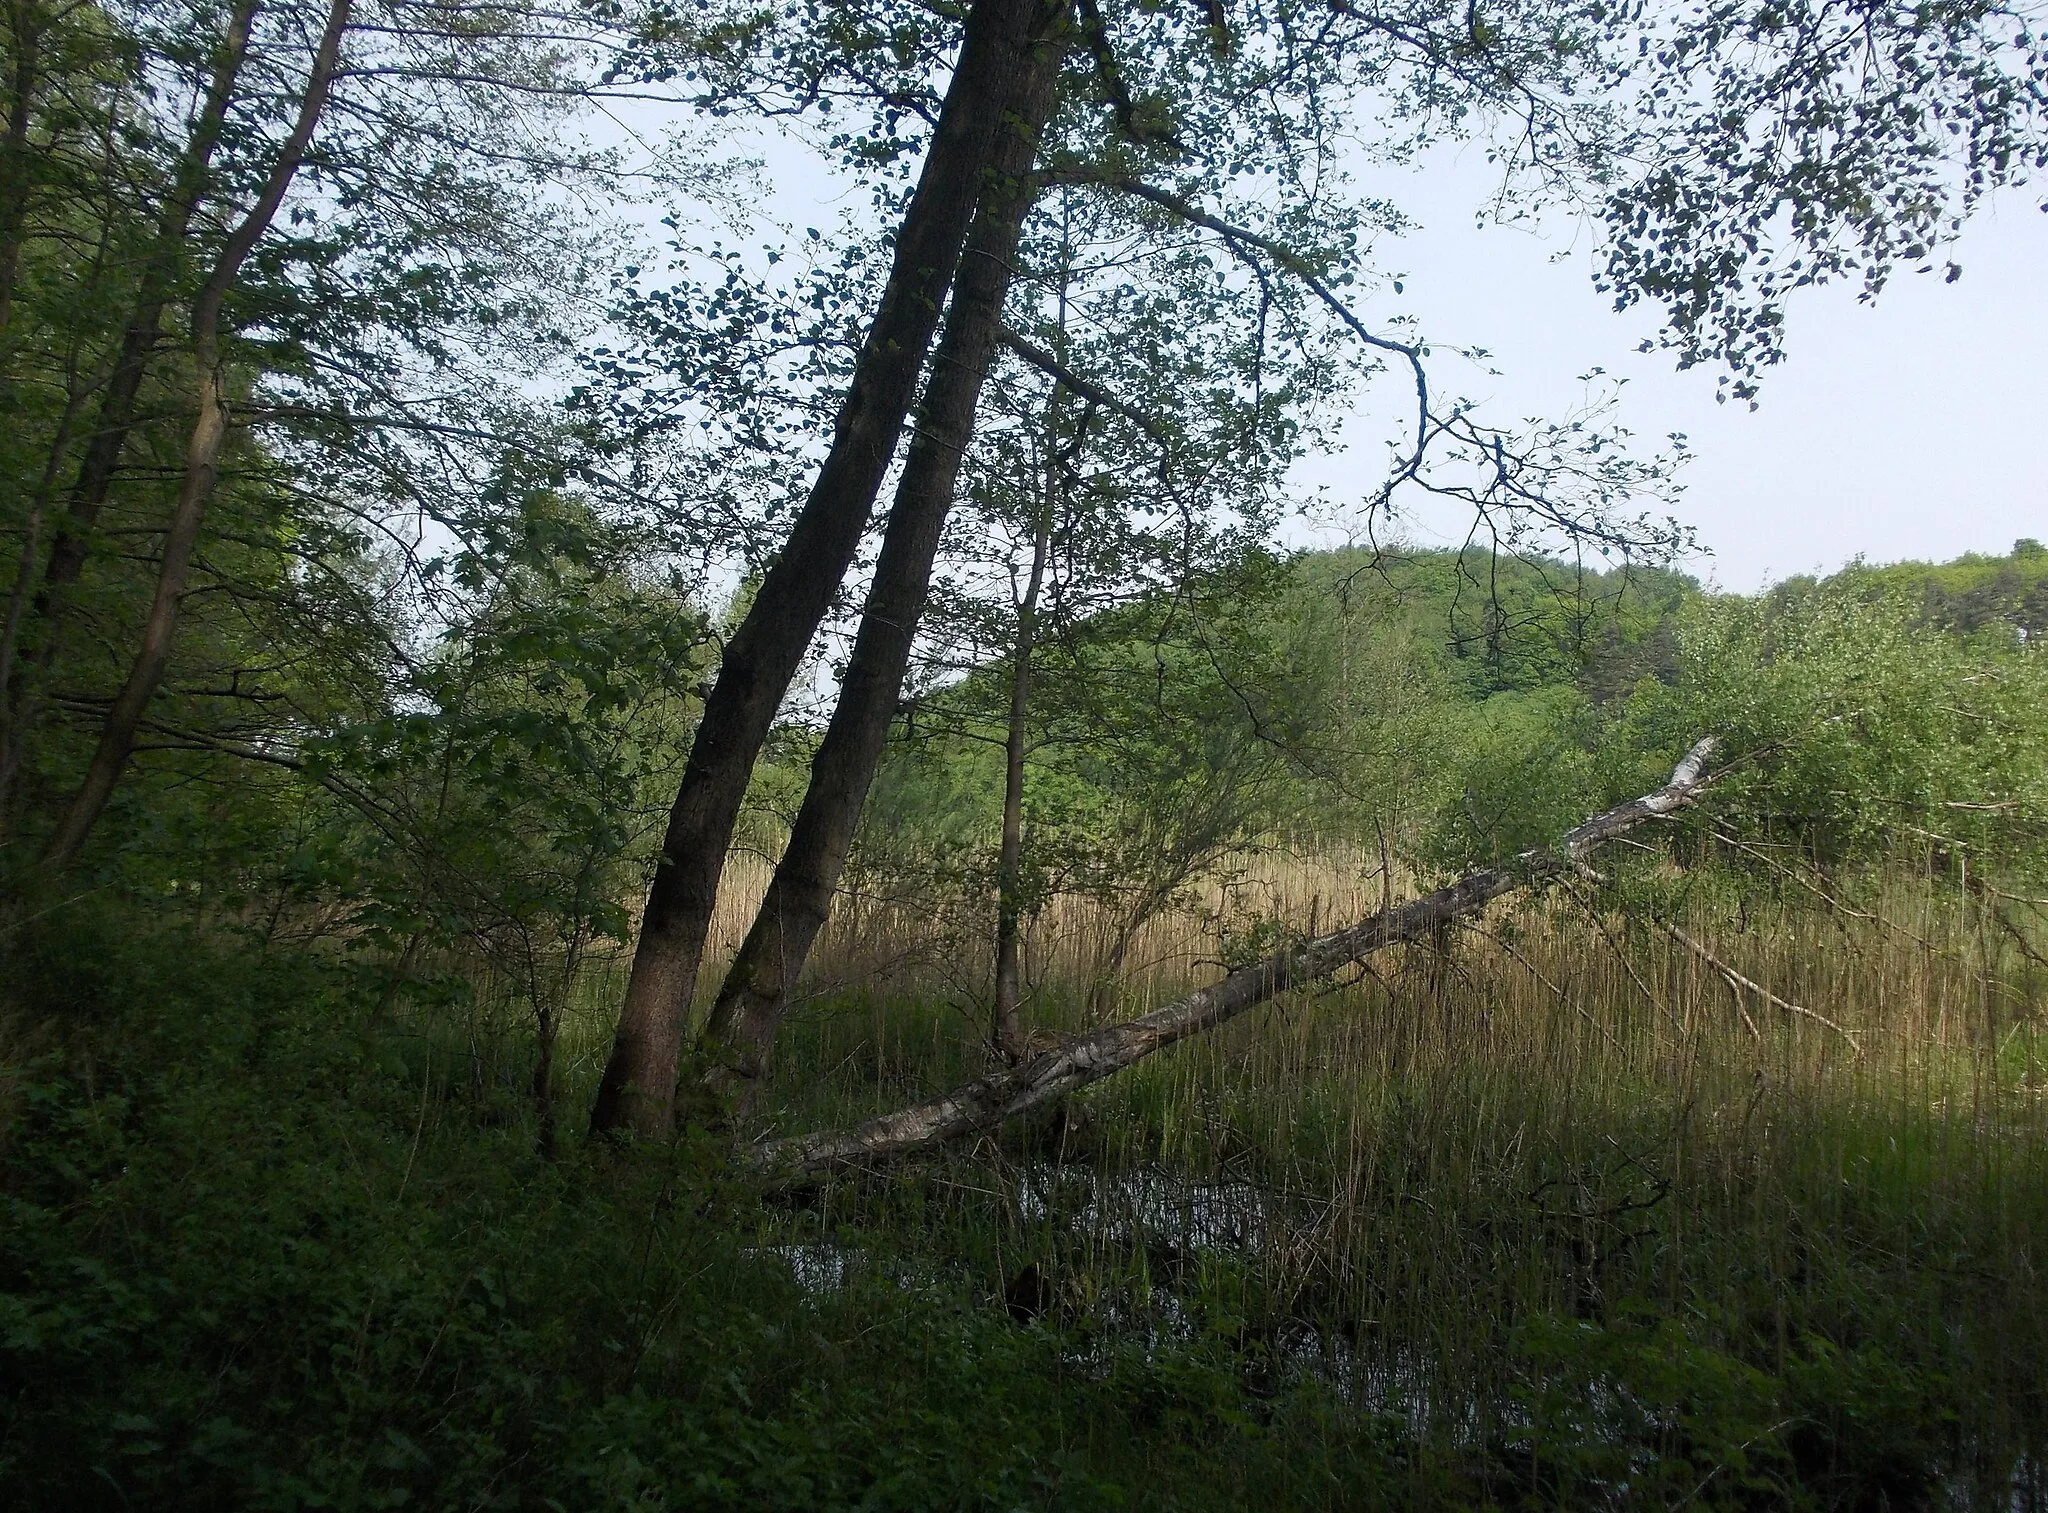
(1082, 1059)
(1087, 388)
(1742, 984)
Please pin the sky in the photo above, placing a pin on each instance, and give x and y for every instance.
(1915, 427)
(1912, 428)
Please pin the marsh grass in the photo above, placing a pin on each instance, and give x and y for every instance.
(1552, 1192)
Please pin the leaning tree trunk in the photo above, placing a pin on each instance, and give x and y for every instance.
(15, 154)
(987, 1102)
(116, 417)
(750, 1005)
(145, 323)
(638, 1090)
(202, 465)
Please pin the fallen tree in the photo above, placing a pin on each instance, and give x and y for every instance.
(1079, 1060)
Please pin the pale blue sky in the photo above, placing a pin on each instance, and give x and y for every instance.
(1915, 427)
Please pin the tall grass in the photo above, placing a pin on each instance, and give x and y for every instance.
(1426, 1178)
(1547, 1188)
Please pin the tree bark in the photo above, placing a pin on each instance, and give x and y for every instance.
(638, 1091)
(988, 1101)
(750, 1005)
(202, 465)
(1009, 1026)
(116, 420)
(26, 36)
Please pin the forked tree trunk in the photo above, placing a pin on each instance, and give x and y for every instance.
(1009, 1024)
(741, 1033)
(638, 1090)
(987, 1102)
(202, 465)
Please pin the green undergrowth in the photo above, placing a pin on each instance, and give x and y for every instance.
(258, 1251)
(271, 1240)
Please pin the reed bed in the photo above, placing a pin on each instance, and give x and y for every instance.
(1460, 1181)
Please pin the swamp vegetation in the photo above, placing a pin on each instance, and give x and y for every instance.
(1547, 1211)
(746, 866)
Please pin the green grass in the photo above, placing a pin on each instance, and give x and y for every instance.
(274, 1238)
(255, 1254)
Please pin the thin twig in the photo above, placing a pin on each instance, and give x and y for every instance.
(1534, 972)
(1740, 983)
(1620, 952)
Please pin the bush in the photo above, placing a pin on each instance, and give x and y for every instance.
(254, 1255)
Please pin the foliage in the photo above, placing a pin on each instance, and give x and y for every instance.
(1974, 592)
(267, 1247)
(1436, 704)
(252, 1259)
(1857, 723)
(1865, 727)
(520, 759)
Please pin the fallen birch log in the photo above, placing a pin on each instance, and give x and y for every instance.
(1081, 1059)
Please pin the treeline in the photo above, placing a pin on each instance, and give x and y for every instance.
(1975, 592)
(1468, 705)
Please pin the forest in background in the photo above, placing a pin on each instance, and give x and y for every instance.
(652, 859)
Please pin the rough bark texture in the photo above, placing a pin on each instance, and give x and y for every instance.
(1082, 1059)
(749, 1009)
(202, 466)
(638, 1090)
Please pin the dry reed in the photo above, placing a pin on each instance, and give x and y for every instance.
(1552, 1115)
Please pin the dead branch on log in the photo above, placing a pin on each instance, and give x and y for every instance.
(1082, 1059)
(1537, 972)
(1620, 950)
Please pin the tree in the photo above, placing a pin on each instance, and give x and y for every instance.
(1658, 161)
(359, 337)
(639, 1082)
(750, 1004)
(509, 791)
(202, 460)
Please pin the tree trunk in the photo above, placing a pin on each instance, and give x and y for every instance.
(1009, 1025)
(638, 1090)
(987, 1102)
(145, 322)
(202, 466)
(750, 1005)
(26, 30)
(109, 437)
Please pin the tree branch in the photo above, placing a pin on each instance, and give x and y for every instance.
(1742, 984)
(1087, 388)
(1082, 1059)
(1244, 240)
